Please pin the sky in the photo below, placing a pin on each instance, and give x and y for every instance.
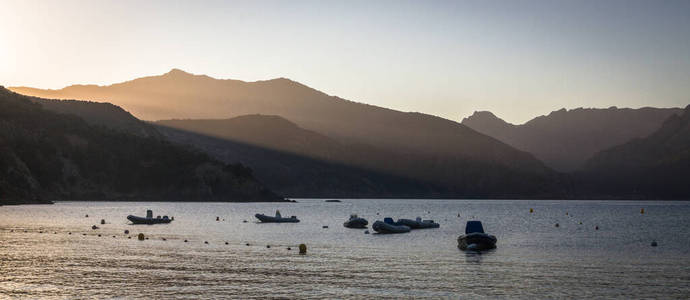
(518, 59)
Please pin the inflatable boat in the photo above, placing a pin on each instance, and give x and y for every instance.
(418, 223)
(356, 222)
(149, 220)
(388, 226)
(475, 239)
(276, 219)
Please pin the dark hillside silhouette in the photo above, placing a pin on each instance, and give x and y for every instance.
(46, 155)
(656, 166)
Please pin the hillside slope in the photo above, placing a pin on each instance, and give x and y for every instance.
(46, 155)
(657, 166)
(280, 152)
(292, 161)
(565, 139)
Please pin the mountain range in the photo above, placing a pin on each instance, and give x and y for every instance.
(301, 142)
(424, 148)
(565, 139)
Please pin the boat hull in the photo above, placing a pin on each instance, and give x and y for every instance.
(147, 221)
(356, 223)
(269, 219)
(476, 242)
(414, 224)
(386, 228)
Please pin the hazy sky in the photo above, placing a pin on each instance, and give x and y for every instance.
(515, 58)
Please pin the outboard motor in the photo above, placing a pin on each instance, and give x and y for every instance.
(149, 214)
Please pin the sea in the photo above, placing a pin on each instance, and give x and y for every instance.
(600, 249)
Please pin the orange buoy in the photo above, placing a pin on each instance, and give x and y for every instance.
(302, 249)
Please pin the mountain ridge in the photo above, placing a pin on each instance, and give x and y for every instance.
(565, 139)
(425, 147)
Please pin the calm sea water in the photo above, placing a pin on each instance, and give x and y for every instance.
(534, 259)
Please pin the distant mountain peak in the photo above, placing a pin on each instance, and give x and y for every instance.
(177, 72)
(485, 119)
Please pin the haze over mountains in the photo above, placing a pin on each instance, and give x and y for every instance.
(48, 152)
(303, 143)
(565, 139)
(412, 145)
(656, 166)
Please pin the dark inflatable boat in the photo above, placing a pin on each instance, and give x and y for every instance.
(475, 239)
(276, 219)
(418, 223)
(356, 222)
(388, 226)
(149, 220)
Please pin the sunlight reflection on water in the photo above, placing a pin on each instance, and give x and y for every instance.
(533, 258)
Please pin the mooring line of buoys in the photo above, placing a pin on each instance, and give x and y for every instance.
(142, 237)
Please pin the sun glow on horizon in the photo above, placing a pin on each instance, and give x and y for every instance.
(518, 60)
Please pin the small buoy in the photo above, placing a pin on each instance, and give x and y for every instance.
(654, 244)
(102, 221)
(84, 234)
(86, 216)
(247, 244)
(377, 214)
(244, 221)
(147, 238)
(531, 210)
(113, 236)
(289, 248)
(557, 225)
(94, 227)
(205, 242)
(164, 239)
(185, 241)
(55, 232)
(69, 233)
(99, 235)
(580, 222)
(40, 232)
(366, 232)
(226, 243)
(217, 219)
(596, 227)
(129, 237)
(302, 249)
(325, 226)
(268, 246)
(141, 236)
(126, 231)
(642, 210)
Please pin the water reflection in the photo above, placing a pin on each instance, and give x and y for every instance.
(535, 259)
